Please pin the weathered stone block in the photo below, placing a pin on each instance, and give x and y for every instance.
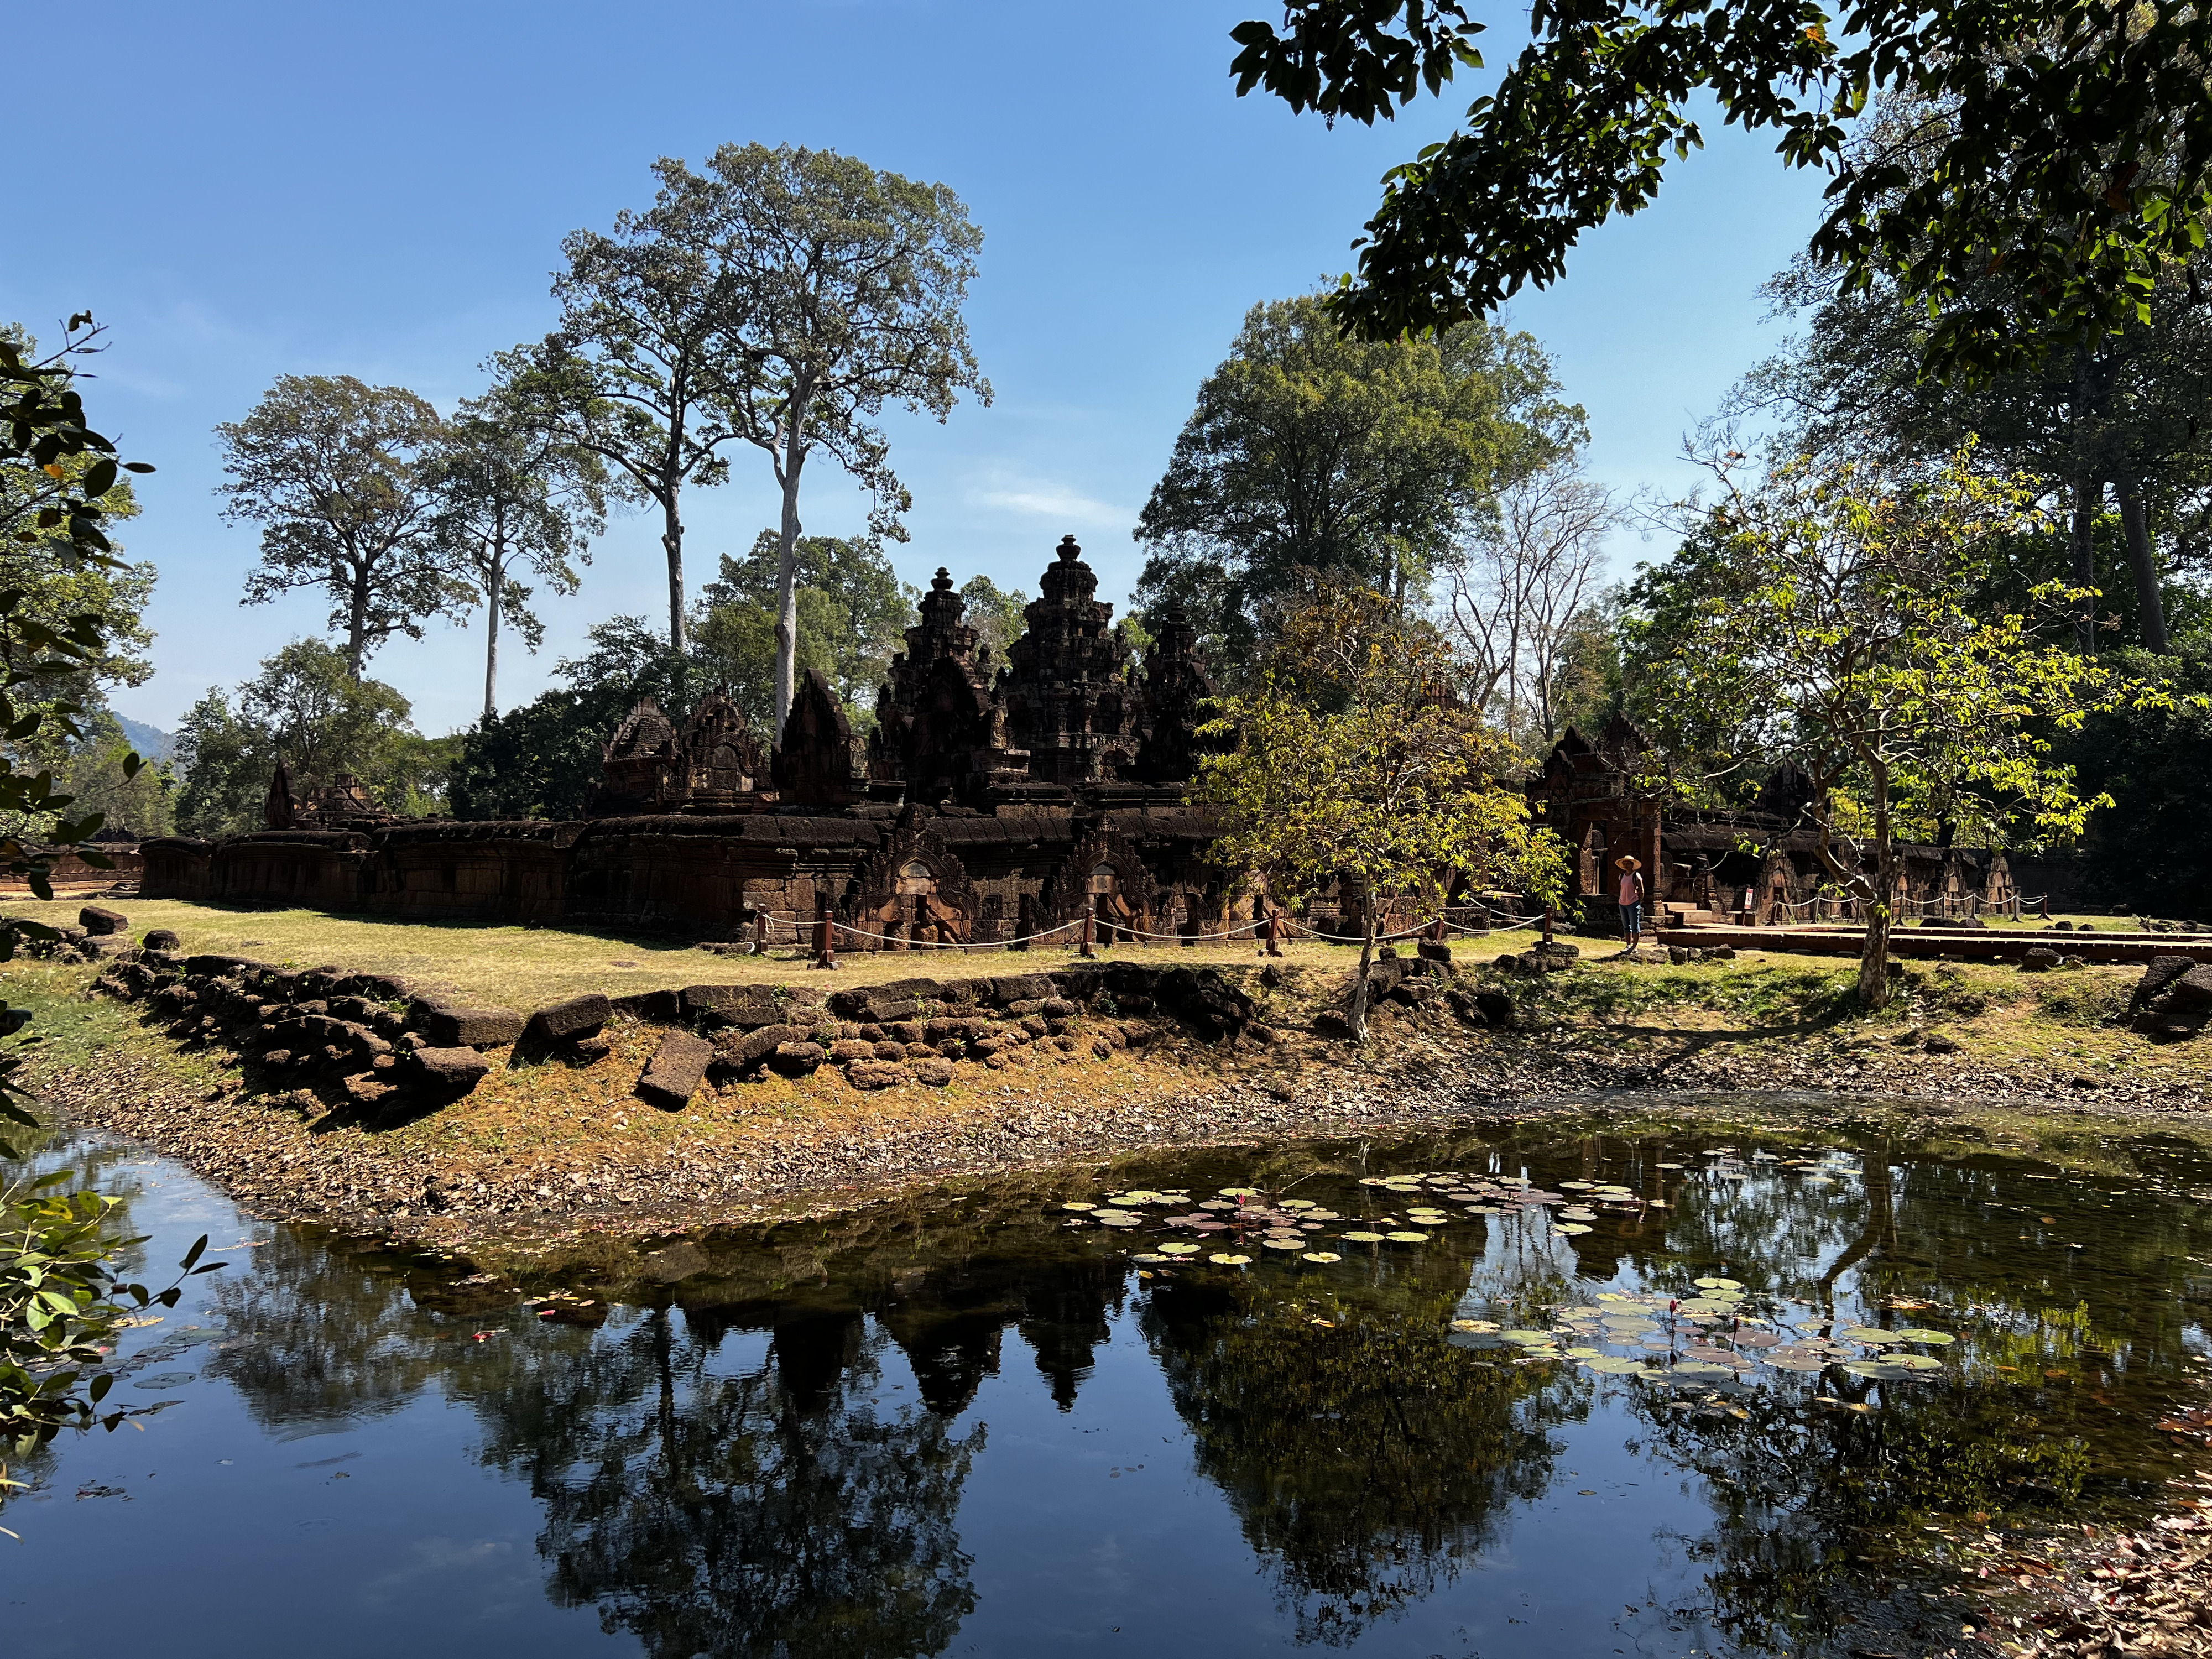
(469, 1028)
(451, 1071)
(935, 1072)
(678, 1066)
(796, 1059)
(877, 1074)
(2162, 973)
(1433, 950)
(162, 939)
(657, 1007)
(905, 1031)
(2039, 959)
(850, 1048)
(889, 1050)
(1021, 987)
(570, 1021)
(100, 921)
(2194, 989)
(739, 1049)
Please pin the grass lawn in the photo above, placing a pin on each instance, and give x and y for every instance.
(526, 967)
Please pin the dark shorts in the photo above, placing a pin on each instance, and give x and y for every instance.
(1631, 918)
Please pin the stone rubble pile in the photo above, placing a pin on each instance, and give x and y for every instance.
(380, 1045)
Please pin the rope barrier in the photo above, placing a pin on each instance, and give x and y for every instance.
(801, 933)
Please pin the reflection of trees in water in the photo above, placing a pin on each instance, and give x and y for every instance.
(779, 1510)
(1370, 1461)
(784, 1506)
(319, 1334)
(1807, 1496)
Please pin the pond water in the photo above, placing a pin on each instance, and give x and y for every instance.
(1655, 1393)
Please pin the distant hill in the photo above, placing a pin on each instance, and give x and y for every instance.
(152, 742)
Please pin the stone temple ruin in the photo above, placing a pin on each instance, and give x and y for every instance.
(990, 803)
(1753, 867)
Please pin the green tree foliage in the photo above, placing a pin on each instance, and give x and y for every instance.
(99, 777)
(997, 617)
(336, 473)
(513, 497)
(1828, 620)
(852, 609)
(2080, 161)
(541, 760)
(1311, 458)
(306, 708)
(847, 290)
(1360, 759)
(638, 373)
(2110, 419)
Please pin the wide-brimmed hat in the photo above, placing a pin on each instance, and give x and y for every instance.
(1628, 864)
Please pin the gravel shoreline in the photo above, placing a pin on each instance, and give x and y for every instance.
(281, 1167)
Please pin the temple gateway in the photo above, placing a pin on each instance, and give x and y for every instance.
(987, 805)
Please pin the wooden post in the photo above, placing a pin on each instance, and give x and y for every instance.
(825, 937)
(1275, 931)
(1090, 933)
(760, 934)
(1547, 924)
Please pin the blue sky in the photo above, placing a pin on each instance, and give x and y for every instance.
(382, 190)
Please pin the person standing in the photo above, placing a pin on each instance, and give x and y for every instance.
(1632, 900)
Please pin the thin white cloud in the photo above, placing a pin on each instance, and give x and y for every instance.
(1042, 498)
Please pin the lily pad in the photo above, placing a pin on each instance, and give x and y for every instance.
(1178, 1250)
(1474, 1324)
(1363, 1238)
(1283, 1243)
(1404, 1236)
(1230, 1261)
(1917, 1362)
(1614, 1366)
(1238, 1192)
(1585, 1354)
(1321, 1256)
(1718, 1283)
(1529, 1338)
(1879, 1371)
(1871, 1337)
(1939, 1339)
(1151, 1259)
(1078, 1206)
(1567, 1228)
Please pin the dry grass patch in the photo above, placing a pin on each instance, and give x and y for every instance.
(525, 968)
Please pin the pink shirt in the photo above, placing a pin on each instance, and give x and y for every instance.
(1631, 887)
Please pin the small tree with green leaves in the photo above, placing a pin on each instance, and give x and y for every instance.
(1827, 620)
(1358, 758)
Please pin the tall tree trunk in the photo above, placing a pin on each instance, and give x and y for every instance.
(2135, 523)
(786, 567)
(2086, 491)
(491, 635)
(1355, 1013)
(357, 624)
(672, 539)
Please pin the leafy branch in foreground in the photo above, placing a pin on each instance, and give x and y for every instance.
(61, 1304)
(1360, 759)
(2080, 161)
(55, 476)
